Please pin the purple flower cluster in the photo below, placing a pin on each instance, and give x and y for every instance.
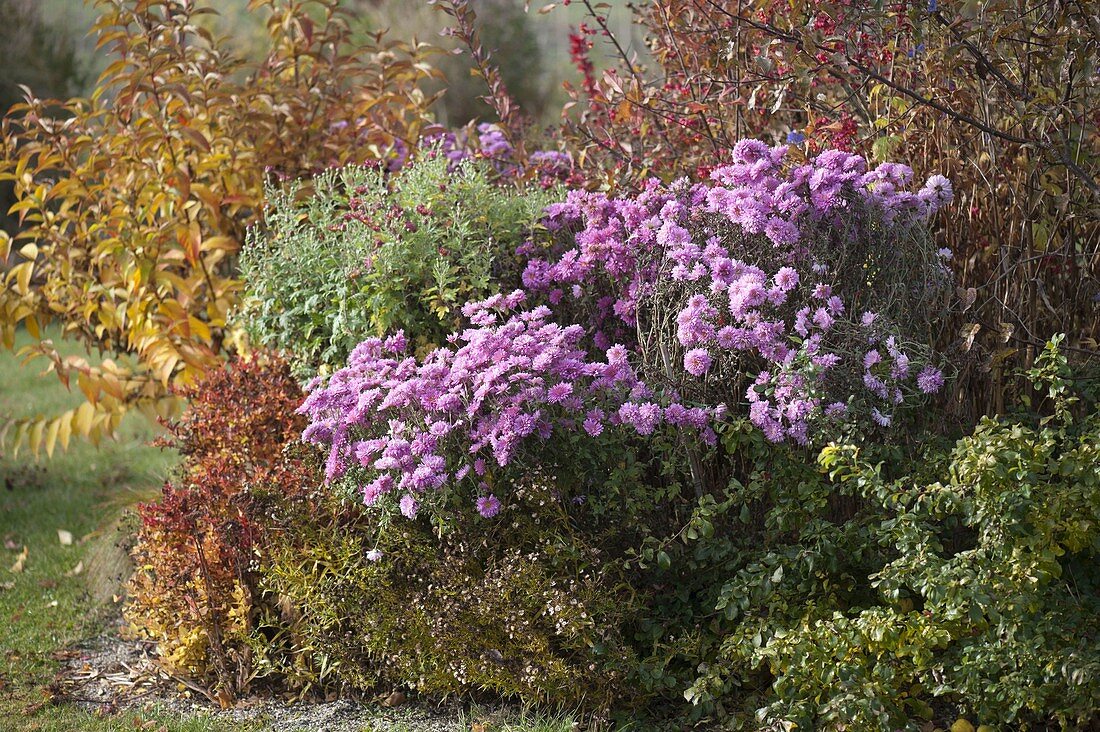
(493, 143)
(550, 166)
(743, 291)
(613, 247)
(447, 144)
(396, 425)
(930, 380)
(758, 194)
(743, 253)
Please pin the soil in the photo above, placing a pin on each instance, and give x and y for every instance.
(110, 675)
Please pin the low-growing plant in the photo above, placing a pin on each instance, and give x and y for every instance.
(247, 571)
(990, 596)
(359, 252)
(518, 605)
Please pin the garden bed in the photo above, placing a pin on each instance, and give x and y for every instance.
(113, 677)
(110, 676)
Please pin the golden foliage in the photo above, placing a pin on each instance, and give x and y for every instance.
(133, 203)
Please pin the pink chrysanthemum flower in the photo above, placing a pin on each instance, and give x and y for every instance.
(488, 506)
(697, 361)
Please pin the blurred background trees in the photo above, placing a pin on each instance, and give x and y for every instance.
(46, 48)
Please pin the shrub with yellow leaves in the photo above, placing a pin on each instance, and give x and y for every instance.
(133, 203)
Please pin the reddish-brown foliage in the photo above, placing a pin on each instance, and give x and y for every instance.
(195, 585)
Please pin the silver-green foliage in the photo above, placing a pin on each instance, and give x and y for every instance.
(358, 252)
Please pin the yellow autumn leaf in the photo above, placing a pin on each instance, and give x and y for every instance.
(21, 561)
(82, 419)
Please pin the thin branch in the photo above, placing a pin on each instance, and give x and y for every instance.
(982, 61)
(602, 22)
(956, 115)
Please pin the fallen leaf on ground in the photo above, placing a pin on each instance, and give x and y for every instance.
(21, 561)
(394, 699)
(7, 585)
(65, 537)
(75, 570)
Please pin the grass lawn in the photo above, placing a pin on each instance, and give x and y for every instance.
(48, 606)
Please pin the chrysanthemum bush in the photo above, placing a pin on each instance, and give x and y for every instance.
(789, 300)
(949, 86)
(794, 294)
(412, 430)
(808, 290)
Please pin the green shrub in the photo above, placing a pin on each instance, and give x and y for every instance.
(357, 252)
(990, 600)
(774, 547)
(521, 606)
(857, 591)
